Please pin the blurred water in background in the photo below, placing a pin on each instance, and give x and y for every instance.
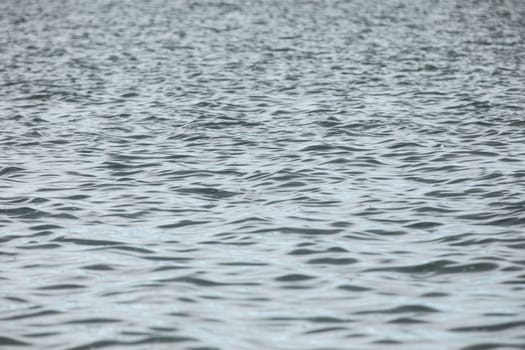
(262, 174)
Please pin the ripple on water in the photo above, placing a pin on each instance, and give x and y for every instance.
(262, 175)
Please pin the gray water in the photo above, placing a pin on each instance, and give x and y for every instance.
(262, 174)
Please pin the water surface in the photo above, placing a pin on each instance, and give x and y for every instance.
(262, 174)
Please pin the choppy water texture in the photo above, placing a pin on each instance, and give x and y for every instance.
(262, 174)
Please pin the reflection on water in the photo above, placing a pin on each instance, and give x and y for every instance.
(262, 175)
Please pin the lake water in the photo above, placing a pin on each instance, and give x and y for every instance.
(289, 175)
